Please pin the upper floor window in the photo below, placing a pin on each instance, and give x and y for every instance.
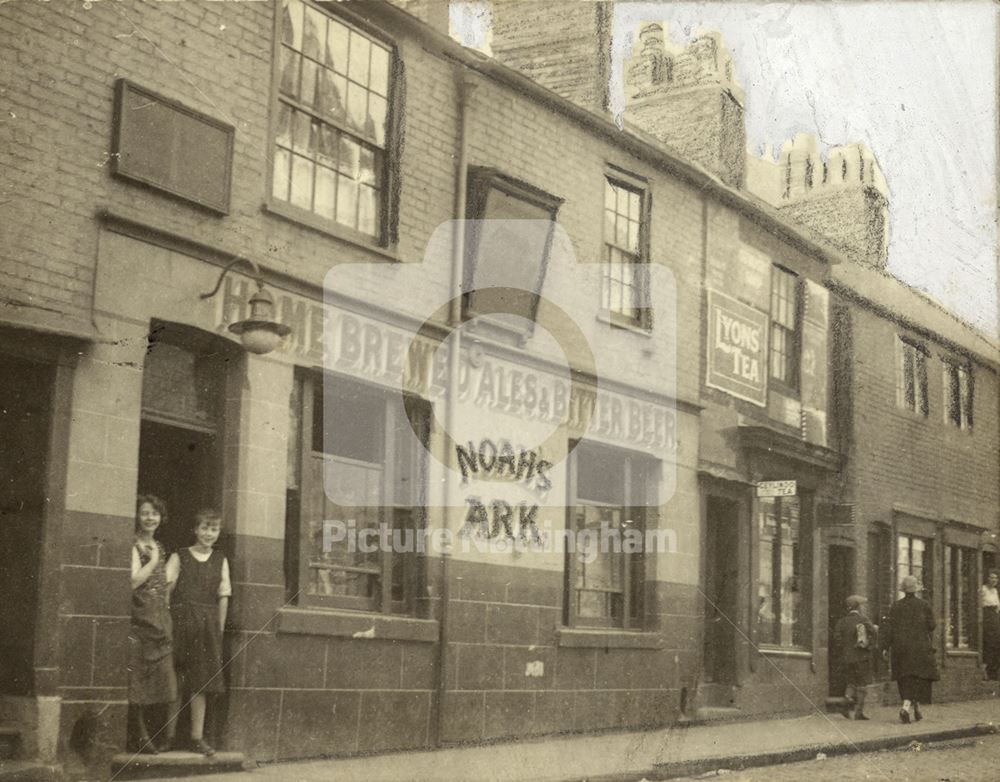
(958, 394)
(785, 327)
(625, 278)
(330, 150)
(911, 376)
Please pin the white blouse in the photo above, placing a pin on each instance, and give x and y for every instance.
(988, 597)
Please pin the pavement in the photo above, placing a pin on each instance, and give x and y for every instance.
(668, 753)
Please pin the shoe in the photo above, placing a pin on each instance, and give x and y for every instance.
(904, 716)
(166, 745)
(202, 748)
(147, 747)
(860, 716)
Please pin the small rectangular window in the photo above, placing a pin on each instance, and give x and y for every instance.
(625, 277)
(914, 558)
(957, 394)
(785, 327)
(784, 571)
(911, 388)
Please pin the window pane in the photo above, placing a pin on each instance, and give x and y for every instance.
(279, 186)
(289, 72)
(357, 109)
(368, 210)
(307, 93)
(366, 166)
(633, 236)
(379, 77)
(336, 46)
(360, 52)
(599, 572)
(291, 28)
(350, 157)
(326, 150)
(302, 173)
(314, 35)
(347, 201)
(326, 191)
(284, 126)
(375, 123)
(621, 231)
(330, 94)
(768, 599)
(302, 140)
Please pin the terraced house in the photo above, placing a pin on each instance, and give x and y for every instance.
(233, 274)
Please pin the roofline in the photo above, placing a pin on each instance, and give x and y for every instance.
(853, 294)
(630, 138)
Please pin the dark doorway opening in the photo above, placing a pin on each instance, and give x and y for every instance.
(25, 412)
(722, 546)
(840, 585)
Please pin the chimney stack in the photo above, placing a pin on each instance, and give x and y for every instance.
(843, 198)
(688, 98)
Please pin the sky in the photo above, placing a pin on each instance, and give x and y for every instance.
(915, 81)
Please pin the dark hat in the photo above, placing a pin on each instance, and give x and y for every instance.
(856, 601)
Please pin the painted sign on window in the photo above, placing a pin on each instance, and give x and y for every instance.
(737, 340)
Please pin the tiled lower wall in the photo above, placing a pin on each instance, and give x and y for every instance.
(295, 695)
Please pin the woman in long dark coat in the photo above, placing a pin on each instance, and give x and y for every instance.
(989, 602)
(909, 642)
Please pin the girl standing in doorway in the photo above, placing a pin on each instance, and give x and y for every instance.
(199, 605)
(151, 665)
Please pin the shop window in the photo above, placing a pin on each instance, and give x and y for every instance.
(625, 279)
(957, 394)
(784, 545)
(911, 376)
(334, 125)
(508, 239)
(914, 558)
(961, 592)
(355, 464)
(605, 572)
(786, 328)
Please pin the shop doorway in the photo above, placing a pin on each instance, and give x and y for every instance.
(840, 585)
(721, 580)
(180, 440)
(25, 412)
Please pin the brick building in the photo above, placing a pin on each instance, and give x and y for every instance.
(145, 157)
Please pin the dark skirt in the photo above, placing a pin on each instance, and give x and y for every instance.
(198, 648)
(913, 688)
(858, 674)
(149, 680)
(991, 641)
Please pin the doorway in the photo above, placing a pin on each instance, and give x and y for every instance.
(180, 439)
(721, 589)
(25, 412)
(840, 585)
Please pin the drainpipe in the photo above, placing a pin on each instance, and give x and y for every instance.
(465, 87)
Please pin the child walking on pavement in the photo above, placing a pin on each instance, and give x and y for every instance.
(199, 604)
(855, 639)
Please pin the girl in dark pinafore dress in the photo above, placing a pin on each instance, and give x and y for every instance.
(151, 666)
(199, 604)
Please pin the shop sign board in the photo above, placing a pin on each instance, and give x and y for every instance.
(737, 348)
(776, 489)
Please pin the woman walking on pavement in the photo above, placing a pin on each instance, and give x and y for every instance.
(989, 602)
(908, 644)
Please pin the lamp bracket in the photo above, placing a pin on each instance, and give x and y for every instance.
(258, 277)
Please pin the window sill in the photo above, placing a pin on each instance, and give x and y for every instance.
(351, 624)
(635, 328)
(581, 638)
(972, 653)
(308, 220)
(781, 651)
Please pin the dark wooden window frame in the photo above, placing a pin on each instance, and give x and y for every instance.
(633, 594)
(298, 565)
(792, 384)
(387, 234)
(621, 179)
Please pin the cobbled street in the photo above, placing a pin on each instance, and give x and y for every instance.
(967, 760)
